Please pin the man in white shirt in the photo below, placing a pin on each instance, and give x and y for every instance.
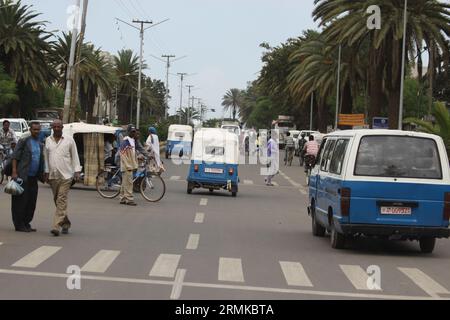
(62, 165)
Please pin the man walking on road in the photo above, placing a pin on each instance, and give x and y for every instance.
(62, 166)
(7, 135)
(28, 165)
(128, 163)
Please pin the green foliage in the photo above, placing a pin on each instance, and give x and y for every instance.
(263, 114)
(212, 123)
(415, 100)
(441, 125)
(8, 91)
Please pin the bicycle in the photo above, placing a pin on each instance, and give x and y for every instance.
(150, 184)
(309, 164)
(5, 155)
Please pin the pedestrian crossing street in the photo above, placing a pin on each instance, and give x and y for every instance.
(232, 270)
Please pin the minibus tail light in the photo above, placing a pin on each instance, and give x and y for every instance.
(447, 206)
(345, 201)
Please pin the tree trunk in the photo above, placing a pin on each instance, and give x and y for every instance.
(393, 81)
(347, 101)
(376, 94)
(322, 115)
(431, 68)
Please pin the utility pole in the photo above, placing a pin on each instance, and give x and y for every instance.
(168, 57)
(311, 113)
(189, 99)
(182, 75)
(74, 98)
(141, 58)
(139, 93)
(70, 71)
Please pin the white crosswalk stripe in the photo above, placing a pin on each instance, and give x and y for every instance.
(295, 274)
(101, 261)
(175, 178)
(38, 256)
(165, 266)
(203, 201)
(230, 269)
(248, 182)
(358, 277)
(199, 217)
(275, 183)
(193, 241)
(425, 282)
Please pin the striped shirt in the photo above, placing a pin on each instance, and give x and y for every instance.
(312, 148)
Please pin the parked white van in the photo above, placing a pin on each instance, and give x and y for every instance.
(384, 183)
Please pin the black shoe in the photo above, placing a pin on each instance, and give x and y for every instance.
(55, 232)
(22, 229)
(65, 231)
(30, 229)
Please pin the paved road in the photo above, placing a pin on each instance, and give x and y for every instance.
(207, 246)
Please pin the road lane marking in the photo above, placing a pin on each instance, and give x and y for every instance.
(175, 178)
(248, 182)
(199, 217)
(1, 243)
(193, 241)
(230, 269)
(101, 261)
(203, 201)
(302, 191)
(295, 274)
(357, 276)
(222, 286)
(275, 183)
(178, 284)
(425, 282)
(35, 258)
(165, 266)
(295, 184)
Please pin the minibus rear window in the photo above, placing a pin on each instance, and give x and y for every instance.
(398, 157)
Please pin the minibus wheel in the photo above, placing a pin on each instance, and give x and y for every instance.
(427, 244)
(317, 229)
(337, 239)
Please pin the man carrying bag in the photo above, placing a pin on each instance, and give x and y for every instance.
(28, 165)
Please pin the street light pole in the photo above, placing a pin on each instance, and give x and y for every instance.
(338, 88)
(189, 99)
(311, 113)
(402, 84)
(70, 71)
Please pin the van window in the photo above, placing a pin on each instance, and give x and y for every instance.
(327, 155)
(338, 157)
(321, 151)
(179, 134)
(398, 157)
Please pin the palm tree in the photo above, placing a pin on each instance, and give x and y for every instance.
(232, 100)
(7, 89)
(315, 70)
(95, 72)
(24, 47)
(428, 22)
(193, 113)
(126, 65)
(441, 127)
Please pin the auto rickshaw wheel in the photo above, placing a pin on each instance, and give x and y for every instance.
(189, 188)
(427, 244)
(234, 191)
(211, 190)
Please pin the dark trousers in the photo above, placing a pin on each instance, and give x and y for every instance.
(23, 206)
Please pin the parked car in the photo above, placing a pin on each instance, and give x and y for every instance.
(19, 125)
(388, 184)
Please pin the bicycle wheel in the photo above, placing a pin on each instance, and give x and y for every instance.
(153, 187)
(108, 184)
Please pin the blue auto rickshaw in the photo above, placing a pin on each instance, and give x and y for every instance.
(179, 141)
(214, 162)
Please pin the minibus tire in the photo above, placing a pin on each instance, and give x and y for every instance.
(317, 229)
(427, 244)
(337, 239)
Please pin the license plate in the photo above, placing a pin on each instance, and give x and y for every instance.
(213, 170)
(396, 210)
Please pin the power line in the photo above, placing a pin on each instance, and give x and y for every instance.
(130, 14)
(142, 7)
(135, 8)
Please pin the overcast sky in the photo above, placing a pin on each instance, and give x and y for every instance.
(219, 37)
